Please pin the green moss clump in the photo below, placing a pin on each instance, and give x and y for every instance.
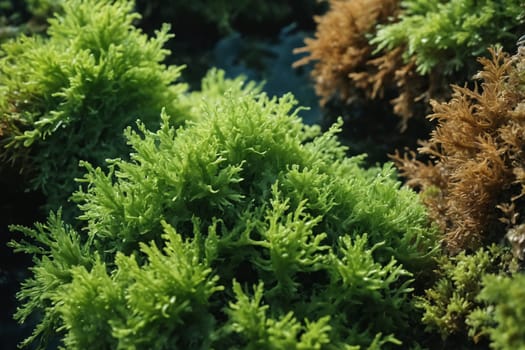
(67, 97)
(448, 305)
(503, 314)
(445, 35)
(244, 229)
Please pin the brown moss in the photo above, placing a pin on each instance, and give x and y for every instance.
(476, 172)
(341, 49)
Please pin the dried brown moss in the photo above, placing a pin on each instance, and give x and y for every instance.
(341, 48)
(475, 179)
(346, 67)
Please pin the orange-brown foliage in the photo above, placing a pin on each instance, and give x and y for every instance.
(341, 48)
(476, 175)
(346, 65)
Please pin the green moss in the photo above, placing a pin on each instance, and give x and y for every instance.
(447, 34)
(450, 304)
(246, 196)
(503, 313)
(67, 97)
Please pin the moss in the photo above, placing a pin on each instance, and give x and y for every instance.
(449, 304)
(503, 312)
(244, 198)
(67, 97)
(403, 54)
(448, 34)
(473, 184)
